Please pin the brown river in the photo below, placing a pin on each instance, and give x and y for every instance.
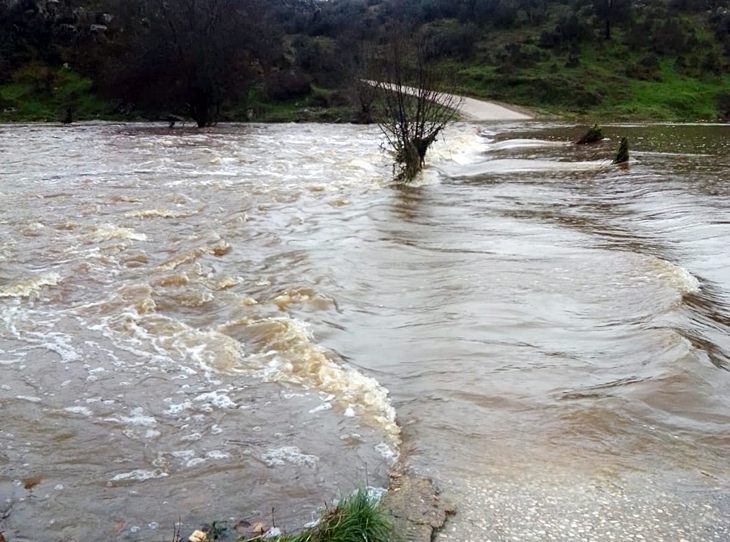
(206, 325)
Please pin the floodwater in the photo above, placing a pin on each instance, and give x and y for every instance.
(208, 325)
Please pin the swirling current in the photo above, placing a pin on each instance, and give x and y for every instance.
(205, 325)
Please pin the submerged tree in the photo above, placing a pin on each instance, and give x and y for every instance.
(411, 107)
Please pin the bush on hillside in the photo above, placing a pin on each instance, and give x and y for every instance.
(669, 38)
(723, 106)
(569, 31)
(452, 42)
(284, 85)
(645, 69)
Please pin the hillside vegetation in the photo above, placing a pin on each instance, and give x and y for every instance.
(287, 60)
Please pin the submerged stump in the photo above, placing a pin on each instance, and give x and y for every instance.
(622, 155)
(594, 135)
(172, 119)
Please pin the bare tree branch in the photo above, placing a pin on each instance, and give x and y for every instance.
(410, 109)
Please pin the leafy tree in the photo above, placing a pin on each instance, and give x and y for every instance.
(612, 12)
(188, 55)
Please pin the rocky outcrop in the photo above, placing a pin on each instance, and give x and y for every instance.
(414, 507)
(594, 135)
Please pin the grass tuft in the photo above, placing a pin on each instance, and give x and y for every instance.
(355, 519)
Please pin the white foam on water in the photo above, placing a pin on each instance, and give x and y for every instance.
(138, 475)
(273, 532)
(511, 144)
(375, 494)
(676, 275)
(217, 454)
(53, 341)
(107, 232)
(288, 454)
(183, 454)
(386, 452)
(501, 167)
(217, 398)
(30, 285)
(158, 213)
(174, 409)
(291, 356)
(29, 398)
(460, 144)
(130, 320)
(84, 411)
(217, 248)
(426, 177)
(137, 418)
(320, 408)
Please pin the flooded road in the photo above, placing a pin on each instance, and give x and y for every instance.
(210, 324)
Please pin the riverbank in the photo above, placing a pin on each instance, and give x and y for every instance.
(411, 509)
(31, 98)
(28, 101)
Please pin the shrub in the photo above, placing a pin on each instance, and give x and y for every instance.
(646, 69)
(723, 106)
(283, 85)
(570, 30)
(354, 518)
(455, 42)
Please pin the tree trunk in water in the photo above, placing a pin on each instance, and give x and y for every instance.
(622, 155)
(412, 163)
(422, 144)
(200, 108)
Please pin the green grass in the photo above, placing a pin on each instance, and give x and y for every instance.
(598, 90)
(676, 97)
(38, 93)
(610, 82)
(315, 107)
(354, 519)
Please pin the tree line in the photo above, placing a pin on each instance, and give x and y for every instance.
(195, 57)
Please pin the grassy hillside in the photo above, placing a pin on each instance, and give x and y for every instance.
(595, 78)
(40, 93)
(661, 60)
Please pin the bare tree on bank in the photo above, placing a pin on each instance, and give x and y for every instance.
(412, 105)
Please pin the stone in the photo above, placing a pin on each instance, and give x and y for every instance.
(594, 135)
(414, 508)
(198, 536)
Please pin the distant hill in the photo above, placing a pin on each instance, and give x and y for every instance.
(299, 59)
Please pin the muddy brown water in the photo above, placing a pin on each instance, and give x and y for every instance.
(208, 324)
